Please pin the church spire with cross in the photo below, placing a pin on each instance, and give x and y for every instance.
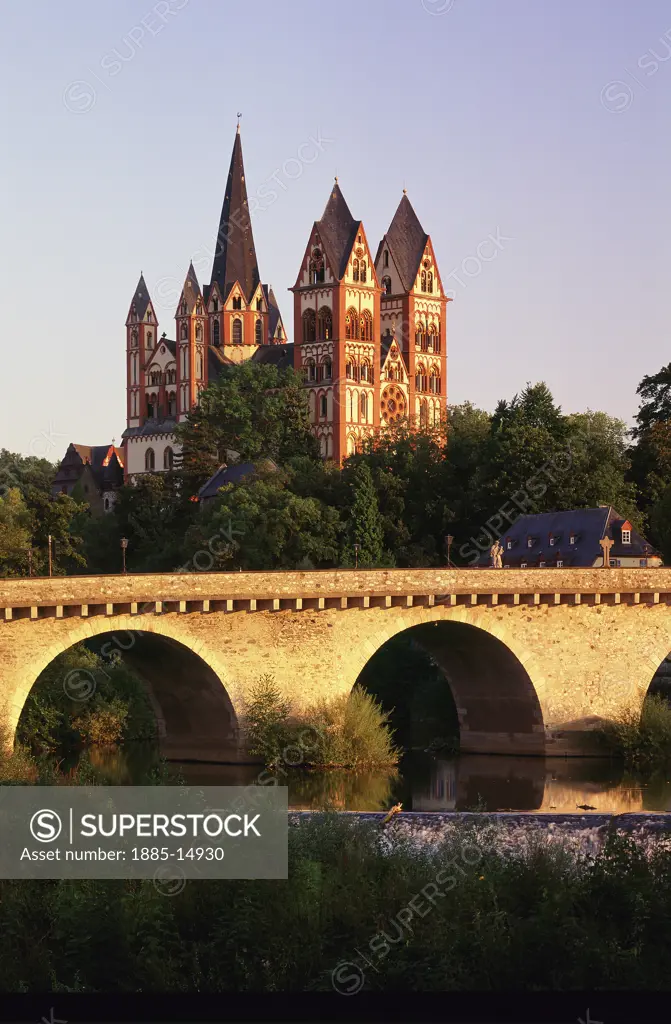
(235, 253)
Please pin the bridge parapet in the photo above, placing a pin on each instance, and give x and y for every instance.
(88, 596)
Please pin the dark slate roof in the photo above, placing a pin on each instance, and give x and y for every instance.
(164, 426)
(587, 525)
(337, 230)
(385, 345)
(407, 240)
(215, 362)
(191, 289)
(281, 355)
(140, 300)
(231, 475)
(274, 315)
(105, 460)
(235, 255)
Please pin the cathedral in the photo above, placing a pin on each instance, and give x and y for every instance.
(369, 331)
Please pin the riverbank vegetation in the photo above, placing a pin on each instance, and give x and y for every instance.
(463, 916)
(350, 731)
(83, 699)
(642, 737)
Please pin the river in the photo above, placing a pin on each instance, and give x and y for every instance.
(422, 783)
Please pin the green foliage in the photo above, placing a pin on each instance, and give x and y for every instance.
(363, 525)
(532, 919)
(254, 409)
(261, 524)
(351, 731)
(643, 738)
(82, 698)
(14, 534)
(267, 722)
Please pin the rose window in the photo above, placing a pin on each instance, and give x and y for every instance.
(392, 405)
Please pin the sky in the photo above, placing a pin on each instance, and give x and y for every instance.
(532, 137)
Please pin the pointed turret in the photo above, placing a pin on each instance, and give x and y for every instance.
(406, 240)
(235, 255)
(139, 303)
(191, 294)
(337, 229)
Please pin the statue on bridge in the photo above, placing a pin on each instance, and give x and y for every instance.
(496, 552)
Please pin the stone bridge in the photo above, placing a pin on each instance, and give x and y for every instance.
(535, 658)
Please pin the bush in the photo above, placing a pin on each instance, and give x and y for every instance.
(267, 722)
(351, 731)
(642, 738)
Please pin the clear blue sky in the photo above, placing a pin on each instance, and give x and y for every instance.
(497, 115)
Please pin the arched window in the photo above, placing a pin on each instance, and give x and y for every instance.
(420, 378)
(434, 381)
(363, 271)
(167, 458)
(182, 308)
(386, 285)
(133, 338)
(199, 364)
(323, 406)
(215, 304)
(199, 332)
(351, 324)
(107, 504)
(366, 326)
(429, 282)
(311, 369)
(149, 460)
(423, 413)
(366, 372)
(309, 325)
(237, 302)
(349, 370)
(325, 324)
(237, 331)
(433, 337)
(155, 377)
(151, 407)
(355, 270)
(328, 369)
(172, 404)
(423, 280)
(258, 332)
(364, 406)
(316, 267)
(216, 333)
(184, 332)
(419, 336)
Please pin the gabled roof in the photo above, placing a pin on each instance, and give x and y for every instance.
(105, 462)
(337, 230)
(232, 475)
(191, 290)
(235, 255)
(281, 356)
(140, 300)
(407, 240)
(586, 525)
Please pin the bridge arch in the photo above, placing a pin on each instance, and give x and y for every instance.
(494, 682)
(196, 707)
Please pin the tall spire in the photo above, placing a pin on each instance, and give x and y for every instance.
(140, 300)
(235, 255)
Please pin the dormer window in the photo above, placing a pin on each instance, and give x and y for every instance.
(237, 302)
(523, 565)
(509, 544)
(259, 305)
(552, 541)
(626, 536)
(571, 539)
(530, 542)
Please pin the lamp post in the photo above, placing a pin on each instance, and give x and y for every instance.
(51, 566)
(30, 561)
(357, 549)
(124, 545)
(448, 541)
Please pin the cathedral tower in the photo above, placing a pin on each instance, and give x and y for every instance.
(337, 329)
(237, 303)
(191, 346)
(413, 321)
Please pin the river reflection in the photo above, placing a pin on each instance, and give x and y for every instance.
(468, 782)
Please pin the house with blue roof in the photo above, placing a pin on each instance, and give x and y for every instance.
(572, 540)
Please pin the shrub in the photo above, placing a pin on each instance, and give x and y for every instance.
(642, 739)
(353, 732)
(103, 724)
(266, 721)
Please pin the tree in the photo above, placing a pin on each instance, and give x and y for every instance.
(655, 393)
(599, 463)
(363, 524)
(14, 534)
(253, 409)
(23, 472)
(56, 517)
(260, 524)
(153, 515)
